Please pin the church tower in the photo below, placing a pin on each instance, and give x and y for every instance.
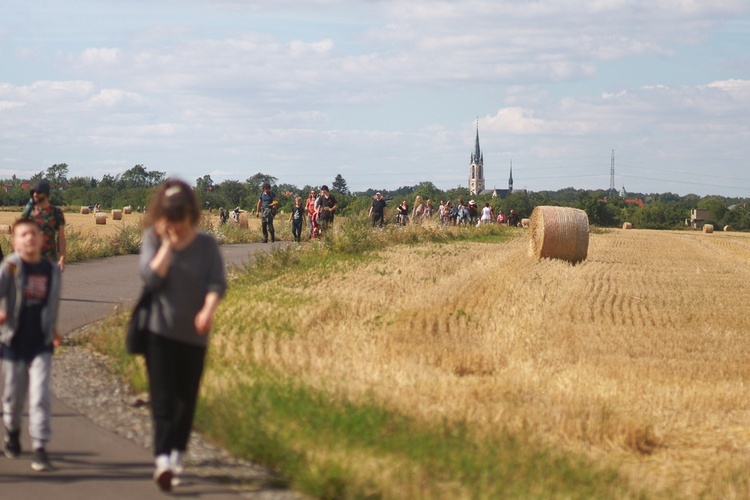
(476, 170)
(510, 179)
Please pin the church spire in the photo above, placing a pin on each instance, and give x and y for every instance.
(510, 179)
(477, 152)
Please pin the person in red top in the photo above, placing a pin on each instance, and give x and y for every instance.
(310, 206)
(50, 219)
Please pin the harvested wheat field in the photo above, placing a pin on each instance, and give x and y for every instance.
(85, 223)
(636, 358)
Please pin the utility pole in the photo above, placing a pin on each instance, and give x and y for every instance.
(612, 190)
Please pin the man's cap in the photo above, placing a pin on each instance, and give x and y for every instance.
(378, 194)
(324, 188)
(41, 186)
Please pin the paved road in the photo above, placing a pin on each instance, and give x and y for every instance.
(93, 463)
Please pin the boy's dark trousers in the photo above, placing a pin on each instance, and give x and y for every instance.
(297, 229)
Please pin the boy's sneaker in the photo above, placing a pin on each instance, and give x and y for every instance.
(12, 445)
(40, 461)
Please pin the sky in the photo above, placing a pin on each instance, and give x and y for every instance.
(385, 93)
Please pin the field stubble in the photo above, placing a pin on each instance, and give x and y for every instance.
(636, 358)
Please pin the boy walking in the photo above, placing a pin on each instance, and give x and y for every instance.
(297, 217)
(29, 298)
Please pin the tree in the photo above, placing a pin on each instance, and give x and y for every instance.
(108, 180)
(57, 175)
(232, 192)
(428, 191)
(155, 177)
(339, 185)
(256, 181)
(204, 183)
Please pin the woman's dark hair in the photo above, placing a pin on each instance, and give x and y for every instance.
(175, 200)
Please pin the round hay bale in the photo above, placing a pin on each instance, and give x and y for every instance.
(85, 210)
(627, 225)
(708, 228)
(101, 218)
(244, 223)
(525, 222)
(116, 214)
(5, 229)
(127, 210)
(728, 228)
(559, 233)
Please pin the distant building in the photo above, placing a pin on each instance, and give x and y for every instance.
(476, 169)
(630, 201)
(476, 174)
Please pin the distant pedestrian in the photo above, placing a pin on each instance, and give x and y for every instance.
(30, 292)
(297, 218)
(223, 216)
(378, 210)
(403, 213)
(327, 206)
(266, 209)
(310, 206)
(500, 217)
(51, 221)
(429, 210)
(513, 218)
(184, 270)
(418, 211)
(486, 217)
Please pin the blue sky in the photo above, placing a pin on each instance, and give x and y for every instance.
(385, 93)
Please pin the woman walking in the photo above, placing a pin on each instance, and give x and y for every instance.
(183, 269)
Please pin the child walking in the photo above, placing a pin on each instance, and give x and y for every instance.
(30, 294)
(297, 217)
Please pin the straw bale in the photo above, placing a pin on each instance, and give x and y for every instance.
(127, 210)
(85, 210)
(708, 228)
(116, 214)
(101, 218)
(559, 233)
(627, 225)
(244, 223)
(525, 222)
(728, 228)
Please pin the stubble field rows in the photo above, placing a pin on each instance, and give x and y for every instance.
(635, 358)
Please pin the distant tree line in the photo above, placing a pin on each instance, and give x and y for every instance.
(134, 186)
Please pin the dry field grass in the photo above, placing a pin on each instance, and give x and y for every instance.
(84, 223)
(87, 225)
(636, 358)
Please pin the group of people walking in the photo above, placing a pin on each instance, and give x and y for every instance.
(447, 212)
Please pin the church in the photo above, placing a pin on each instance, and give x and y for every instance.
(476, 175)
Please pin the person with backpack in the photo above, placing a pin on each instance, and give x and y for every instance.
(326, 208)
(267, 203)
(51, 221)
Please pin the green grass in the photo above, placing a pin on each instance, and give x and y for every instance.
(291, 428)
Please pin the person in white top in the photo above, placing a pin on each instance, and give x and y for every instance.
(486, 214)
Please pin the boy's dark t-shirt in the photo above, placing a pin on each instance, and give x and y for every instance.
(297, 215)
(28, 342)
